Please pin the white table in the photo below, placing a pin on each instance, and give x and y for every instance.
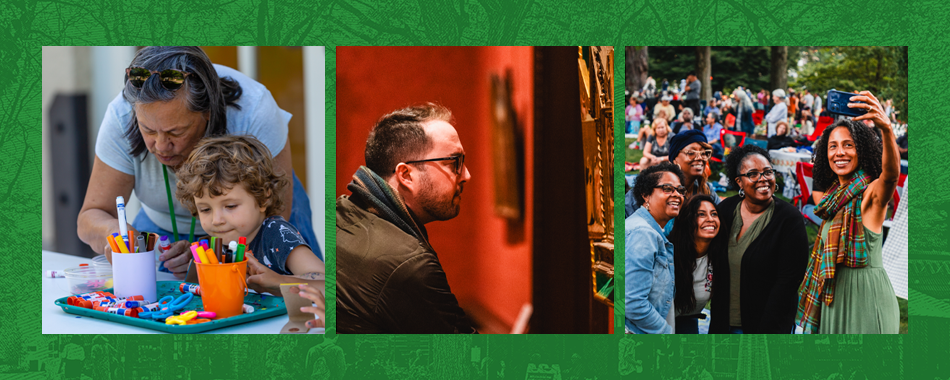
(57, 321)
(784, 163)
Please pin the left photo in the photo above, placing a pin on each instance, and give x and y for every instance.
(182, 189)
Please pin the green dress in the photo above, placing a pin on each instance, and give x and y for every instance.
(864, 301)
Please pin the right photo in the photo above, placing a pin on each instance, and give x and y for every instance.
(766, 190)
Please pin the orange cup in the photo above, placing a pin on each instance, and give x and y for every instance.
(223, 287)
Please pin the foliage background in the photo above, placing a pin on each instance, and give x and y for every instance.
(31, 24)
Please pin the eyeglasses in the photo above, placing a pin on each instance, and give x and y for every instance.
(668, 189)
(705, 154)
(459, 162)
(754, 175)
(171, 79)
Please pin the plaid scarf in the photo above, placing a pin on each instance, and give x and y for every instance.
(845, 244)
(385, 203)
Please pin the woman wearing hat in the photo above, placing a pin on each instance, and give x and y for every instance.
(779, 111)
(666, 107)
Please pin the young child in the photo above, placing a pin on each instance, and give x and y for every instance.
(230, 184)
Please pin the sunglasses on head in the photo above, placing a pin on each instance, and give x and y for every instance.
(171, 79)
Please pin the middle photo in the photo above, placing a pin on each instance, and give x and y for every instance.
(474, 190)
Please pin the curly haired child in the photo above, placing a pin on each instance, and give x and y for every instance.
(231, 185)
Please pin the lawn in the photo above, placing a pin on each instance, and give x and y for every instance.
(634, 155)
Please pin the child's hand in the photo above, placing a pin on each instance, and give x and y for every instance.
(261, 278)
(316, 296)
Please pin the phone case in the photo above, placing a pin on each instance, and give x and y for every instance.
(838, 104)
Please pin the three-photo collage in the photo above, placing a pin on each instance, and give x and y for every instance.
(475, 190)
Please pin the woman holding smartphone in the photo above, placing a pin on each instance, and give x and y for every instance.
(846, 290)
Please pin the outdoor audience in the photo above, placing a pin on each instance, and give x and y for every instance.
(767, 282)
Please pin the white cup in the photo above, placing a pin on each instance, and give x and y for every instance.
(133, 274)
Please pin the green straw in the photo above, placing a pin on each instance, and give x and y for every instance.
(191, 236)
(171, 206)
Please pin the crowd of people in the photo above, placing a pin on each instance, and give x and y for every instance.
(799, 112)
(748, 255)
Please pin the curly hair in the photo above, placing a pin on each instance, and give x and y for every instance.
(734, 159)
(866, 142)
(683, 237)
(217, 164)
(399, 137)
(649, 178)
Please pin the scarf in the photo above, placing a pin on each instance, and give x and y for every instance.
(845, 244)
(385, 203)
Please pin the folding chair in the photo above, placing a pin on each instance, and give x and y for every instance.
(739, 138)
(757, 117)
(823, 122)
(897, 199)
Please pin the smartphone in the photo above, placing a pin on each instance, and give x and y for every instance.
(838, 104)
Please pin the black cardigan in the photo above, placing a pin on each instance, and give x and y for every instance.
(772, 269)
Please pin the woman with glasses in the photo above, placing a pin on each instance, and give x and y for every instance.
(692, 239)
(690, 151)
(649, 255)
(846, 290)
(173, 97)
(765, 251)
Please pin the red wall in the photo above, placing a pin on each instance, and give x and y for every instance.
(487, 260)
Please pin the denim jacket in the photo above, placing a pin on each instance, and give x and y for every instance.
(649, 275)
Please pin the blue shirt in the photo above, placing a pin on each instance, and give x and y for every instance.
(259, 117)
(648, 273)
(712, 132)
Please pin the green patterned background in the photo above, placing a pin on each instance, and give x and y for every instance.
(29, 25)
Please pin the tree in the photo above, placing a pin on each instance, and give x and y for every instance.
(638, 67)
(879, 69)
(704, 70)
(778, 74)
(734, 66)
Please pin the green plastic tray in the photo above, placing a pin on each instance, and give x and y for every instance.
(264, 307)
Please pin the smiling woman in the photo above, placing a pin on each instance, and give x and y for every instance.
(173, 97)
(649, 255)
(764, 255)
(846, 290)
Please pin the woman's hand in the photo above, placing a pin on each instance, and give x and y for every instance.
(178, 258)
(875, 110)
(316, 296)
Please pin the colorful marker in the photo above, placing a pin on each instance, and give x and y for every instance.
(123, 227)
(123, 248)
(240, 252)
(202, 256)
(194, 252)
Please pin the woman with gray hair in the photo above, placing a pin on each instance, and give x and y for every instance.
(743, 112)
(779, 111)
(173, 97)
